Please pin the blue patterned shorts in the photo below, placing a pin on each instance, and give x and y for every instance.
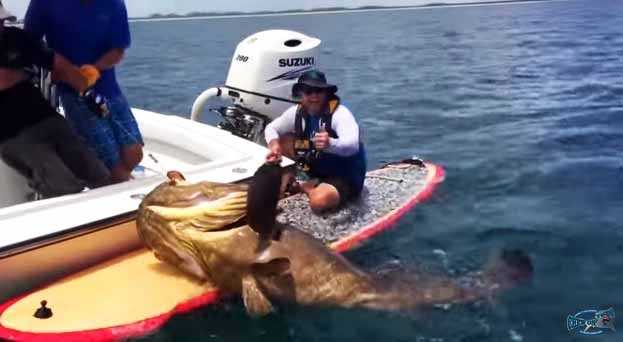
(107, 136)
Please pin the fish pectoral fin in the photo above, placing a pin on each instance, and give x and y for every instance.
(255, 300)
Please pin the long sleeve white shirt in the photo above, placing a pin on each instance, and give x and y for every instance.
(343, 123)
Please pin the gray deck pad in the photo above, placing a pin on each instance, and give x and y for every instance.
(385, 190)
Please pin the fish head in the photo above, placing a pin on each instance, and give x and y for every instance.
(605, 319)
(199, 229)
(186, 225)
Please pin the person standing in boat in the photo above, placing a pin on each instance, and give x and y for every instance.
(322, 135)
(34, 139)
(95, 35)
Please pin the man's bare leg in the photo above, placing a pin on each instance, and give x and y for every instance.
(322, 197)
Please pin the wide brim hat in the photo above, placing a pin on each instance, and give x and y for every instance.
(6, 15)
(312, 79)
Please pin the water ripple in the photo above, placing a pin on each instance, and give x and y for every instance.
(522, 105)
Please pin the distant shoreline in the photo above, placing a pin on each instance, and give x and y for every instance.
(329, 10)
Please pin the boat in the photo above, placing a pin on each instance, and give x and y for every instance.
(143, 293)
(51, 248)
(44, 240)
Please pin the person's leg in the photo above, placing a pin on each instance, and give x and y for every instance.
(37, 160)
(10, 154)
(132, 155)
(324, 197)
(327, 194)
(97, 133)
(127, 133)
(78, 157)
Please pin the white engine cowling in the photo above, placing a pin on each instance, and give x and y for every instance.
(264, 68)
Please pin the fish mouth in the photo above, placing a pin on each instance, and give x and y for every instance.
(190, 226)
(225, 232)
(213, 218)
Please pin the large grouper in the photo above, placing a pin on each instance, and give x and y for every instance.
(209, 231)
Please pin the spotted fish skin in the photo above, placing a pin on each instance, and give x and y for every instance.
(173, 209)
(198, 229)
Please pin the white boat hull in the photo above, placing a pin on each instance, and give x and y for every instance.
(38, 264)
(44, 240)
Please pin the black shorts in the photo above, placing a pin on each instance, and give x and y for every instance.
(53, 159)
(22, 107)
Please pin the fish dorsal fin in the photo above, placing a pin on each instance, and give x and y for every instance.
(255, 300)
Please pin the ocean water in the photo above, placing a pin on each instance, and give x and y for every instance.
(521, 104)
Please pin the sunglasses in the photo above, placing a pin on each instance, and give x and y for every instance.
(312, 90)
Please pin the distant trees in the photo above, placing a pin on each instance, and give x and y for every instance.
(320, 9)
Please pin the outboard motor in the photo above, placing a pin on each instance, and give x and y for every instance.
(263, 70)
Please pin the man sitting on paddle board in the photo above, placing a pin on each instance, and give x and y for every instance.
(322, 135)
(34, 138)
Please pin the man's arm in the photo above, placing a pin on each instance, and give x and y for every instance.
(43, 57)
(119, 39)
(110, 59)
(280, 126)
(347, 130)
(66, 72)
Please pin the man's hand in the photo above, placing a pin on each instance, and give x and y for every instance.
(66, 72)
(91, 74)
(274, 156)
(321, 141)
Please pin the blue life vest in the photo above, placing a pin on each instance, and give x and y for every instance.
(320, 164)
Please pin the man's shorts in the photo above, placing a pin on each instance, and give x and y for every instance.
(53, 159)
(108, 135)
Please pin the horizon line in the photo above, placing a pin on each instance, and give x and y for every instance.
(285, 13)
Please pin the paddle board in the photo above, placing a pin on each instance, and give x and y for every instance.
(135, 294)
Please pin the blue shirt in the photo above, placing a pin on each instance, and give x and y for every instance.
(82, 31)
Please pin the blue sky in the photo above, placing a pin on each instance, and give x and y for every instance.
(138, 8)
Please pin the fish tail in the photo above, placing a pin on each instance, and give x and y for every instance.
(574, 322)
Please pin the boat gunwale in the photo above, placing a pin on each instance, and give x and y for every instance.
(65, 235)
(75, 232)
